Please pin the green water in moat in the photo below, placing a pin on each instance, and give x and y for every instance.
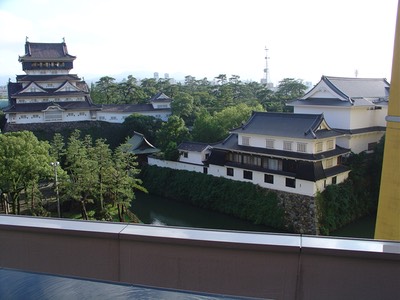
(155, 210)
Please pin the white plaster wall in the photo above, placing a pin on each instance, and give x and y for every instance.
(359, 142)
(29, 118)
(193, 157)
(302, 187)
(334, 116)
(175, 165)
(113, 117)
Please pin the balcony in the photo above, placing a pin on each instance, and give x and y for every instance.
(205, 261)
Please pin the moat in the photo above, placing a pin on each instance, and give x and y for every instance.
(155, 210)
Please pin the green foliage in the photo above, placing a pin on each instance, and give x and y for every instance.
(343, 203)
(146, 125)
(173, 131)
(23, 160)
(213, 128)
(241, 199)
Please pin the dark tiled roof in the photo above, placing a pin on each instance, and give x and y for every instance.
(360, 87)
(303, 126)
(361, 130)
(192, 146)
(44, 51)
(319, 101)
(34, 107)
(231, 144)
(50, 93)
(355, 91)
(62, 77)
(160, 97)
(123, 108)
(140, 145)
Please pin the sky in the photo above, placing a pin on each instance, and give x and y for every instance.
(305, 39)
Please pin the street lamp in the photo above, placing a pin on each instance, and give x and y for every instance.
(55, 165)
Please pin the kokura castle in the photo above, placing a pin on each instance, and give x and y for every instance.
(300, 152)
(48, 92)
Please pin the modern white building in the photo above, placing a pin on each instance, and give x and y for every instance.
(295, 153)
(357, 107)
(49, 93)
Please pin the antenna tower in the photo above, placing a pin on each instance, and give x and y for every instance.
(266, 80)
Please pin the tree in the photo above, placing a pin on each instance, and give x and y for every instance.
(57, 147)
(206, 129)
(123, 181)
(182, 106)
(130, 92)
(174, 130)
(23, 161)
(83, 177)
(103, 157)
(290, 89)
(105, 91)
(234, 116)
(146, 125)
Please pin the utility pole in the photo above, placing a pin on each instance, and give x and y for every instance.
(55, 166)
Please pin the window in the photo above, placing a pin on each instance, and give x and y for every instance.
(301, 147)
(329, 144)
(113, 118)
(268, 178)
(53, 115)
(270, 144)
(247, 159)
(274, 164)
(229, 171)
(257, 161)
(235, 157)
(247, 175)
(287, 145)
(205, 170)
(185, 154)
(81, 113)
(245, 140)
(329, 162)
(334, 180)
(291, 182)
(318, 147)
(102, 117)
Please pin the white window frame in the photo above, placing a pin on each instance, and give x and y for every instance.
(301, 147)
(287, 145)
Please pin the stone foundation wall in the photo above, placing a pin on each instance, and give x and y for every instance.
(301, 212)
(56, 126)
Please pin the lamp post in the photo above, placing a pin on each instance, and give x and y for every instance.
(55, 165)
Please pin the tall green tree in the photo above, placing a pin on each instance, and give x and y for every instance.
(23, 161)
(123, 181)
(182, 106)
(82, 184)
(130, 91)
(105, 91)
(174, 131)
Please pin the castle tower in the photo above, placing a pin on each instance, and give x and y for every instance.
(47, 92)
(388, 218)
